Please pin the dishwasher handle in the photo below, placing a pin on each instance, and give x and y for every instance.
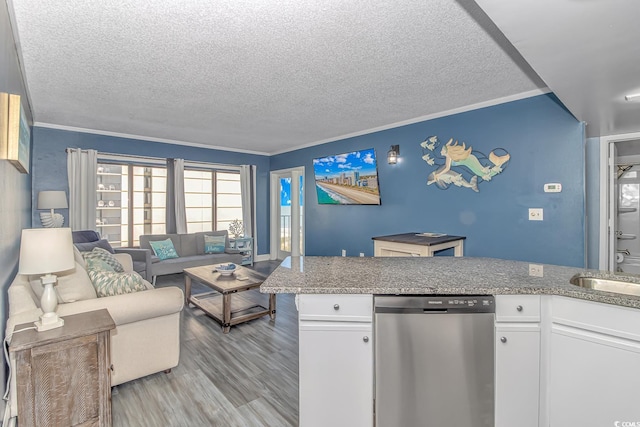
(410, 310)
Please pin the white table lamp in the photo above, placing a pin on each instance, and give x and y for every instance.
(52, 200)
(47, 251)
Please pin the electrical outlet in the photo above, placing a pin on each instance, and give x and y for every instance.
(536, 270)
(344, 252)
(535, 214)
(361, 253)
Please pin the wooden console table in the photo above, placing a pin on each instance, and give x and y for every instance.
(413, 244)
(62, 375)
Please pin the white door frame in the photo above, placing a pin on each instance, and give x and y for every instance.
(607, 205)
(296, 224)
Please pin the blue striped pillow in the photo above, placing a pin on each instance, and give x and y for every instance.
(214, 244)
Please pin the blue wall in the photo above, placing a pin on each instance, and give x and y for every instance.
(15, 187)
(50, 165)
(546, 144)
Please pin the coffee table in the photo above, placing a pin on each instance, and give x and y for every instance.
(218, 304)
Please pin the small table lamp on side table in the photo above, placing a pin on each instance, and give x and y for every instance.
(46, 251)
(52, 200)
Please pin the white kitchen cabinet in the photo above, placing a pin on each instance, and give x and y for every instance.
(517, 361)
(336, 361)
(564, 362)
(594, 379)
(594, 362)
(336, 375)
(517, 387)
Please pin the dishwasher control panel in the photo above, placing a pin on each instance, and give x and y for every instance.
(435, 303)
(482, 302)
(471, 302)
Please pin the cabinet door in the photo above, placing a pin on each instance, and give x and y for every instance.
(65, 383)
(336, 374)
(594, 379)
(517, 376)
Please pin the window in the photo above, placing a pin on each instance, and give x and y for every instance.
(131, 202)
(212, 199)
(198, 187)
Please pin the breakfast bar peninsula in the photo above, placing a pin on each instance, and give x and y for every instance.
(557, 344)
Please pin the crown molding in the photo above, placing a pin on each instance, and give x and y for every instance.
(479, 105)
(147, 138)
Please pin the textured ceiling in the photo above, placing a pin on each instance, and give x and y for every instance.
(587, 51)
(258, 75)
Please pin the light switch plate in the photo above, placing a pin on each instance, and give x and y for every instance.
(536, 270)
(535, 214)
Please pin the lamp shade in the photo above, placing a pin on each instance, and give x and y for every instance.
(46, 250)
(52, 200)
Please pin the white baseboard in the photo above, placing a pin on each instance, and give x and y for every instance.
(264, 257)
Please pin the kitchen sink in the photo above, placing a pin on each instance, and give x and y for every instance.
(607, 285)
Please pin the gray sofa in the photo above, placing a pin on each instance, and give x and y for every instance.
(190, 249)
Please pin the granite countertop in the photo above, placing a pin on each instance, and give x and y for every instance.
(435, 275)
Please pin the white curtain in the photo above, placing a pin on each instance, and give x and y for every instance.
(247, 188)
(83, 182)
(178, 186)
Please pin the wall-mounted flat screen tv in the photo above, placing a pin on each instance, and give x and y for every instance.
(347, 179)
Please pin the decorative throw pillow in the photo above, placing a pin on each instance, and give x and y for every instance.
(214, 244)
(164, 249)
(109, 283)
(105, 256)
(77, 255)
(98, 264)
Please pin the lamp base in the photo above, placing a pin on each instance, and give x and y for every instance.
(48, 322)
(48, 304)
(51, 220)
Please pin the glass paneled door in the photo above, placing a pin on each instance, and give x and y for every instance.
(287, 213)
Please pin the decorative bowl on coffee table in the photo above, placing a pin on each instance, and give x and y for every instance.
(226, 269)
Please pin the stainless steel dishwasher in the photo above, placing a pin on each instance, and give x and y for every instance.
(434, 361)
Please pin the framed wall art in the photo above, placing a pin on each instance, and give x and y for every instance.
(15, 135)
(347, 179)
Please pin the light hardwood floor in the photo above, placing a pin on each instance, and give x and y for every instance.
(246, 378)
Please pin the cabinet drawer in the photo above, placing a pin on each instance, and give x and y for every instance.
(517, 308)
(338, 307)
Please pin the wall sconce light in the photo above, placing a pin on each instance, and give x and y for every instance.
(392, 155)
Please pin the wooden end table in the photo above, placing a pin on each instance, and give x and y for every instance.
(218, 304)
(63, 375)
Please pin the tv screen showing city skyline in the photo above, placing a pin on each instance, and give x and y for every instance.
(347, 179)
